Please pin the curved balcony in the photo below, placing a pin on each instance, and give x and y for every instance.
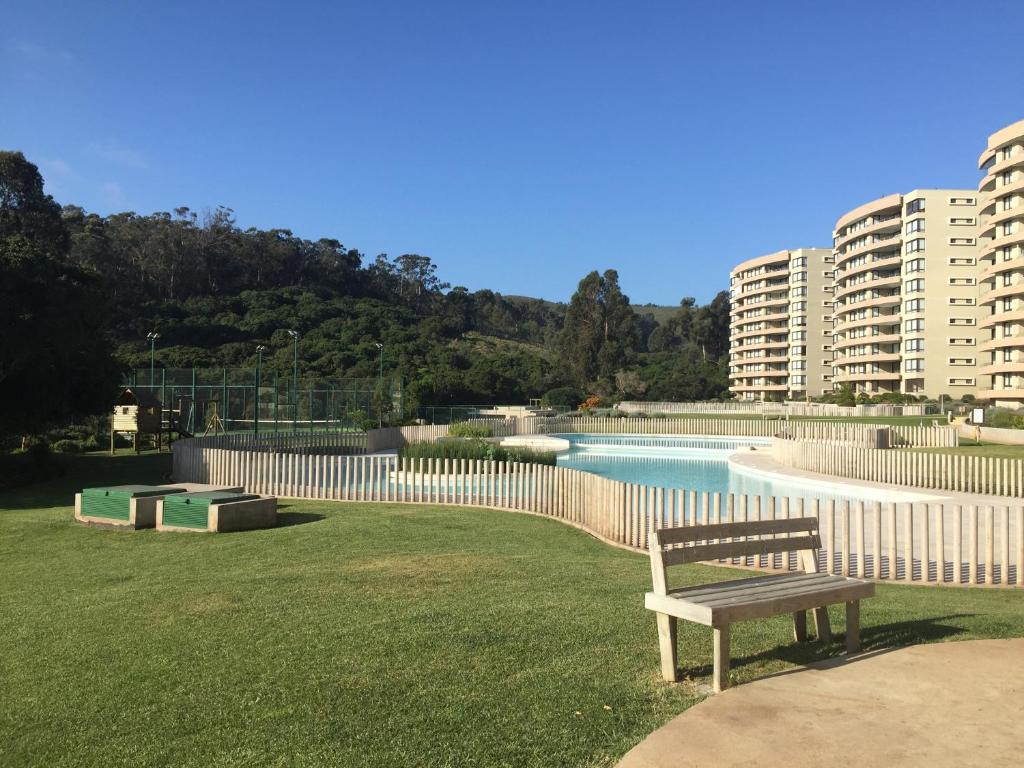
(868, 285)
(882, 338)
(742, 361)
(1002, 317)
(872, 357)
(1001, 293)
(779, 257)
(759, 388)
(842, 325)
(1001, 394)
(1013, 133)
(878, 301)
(996, 368)
(990, 247)
(768, 318)
(1001, 266)
(876, 376)
(762, 345)
(888, 262)
(998, 218)
(990, 345)
(882, 206)
(760, 332)
(1014, 187)
(883, 224)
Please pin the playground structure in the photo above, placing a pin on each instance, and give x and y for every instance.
(236, 400)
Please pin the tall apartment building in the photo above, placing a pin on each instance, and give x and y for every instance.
(1001, 257)
(906, 307)
(780, 325)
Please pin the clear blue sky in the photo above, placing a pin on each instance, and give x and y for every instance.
(519, 145)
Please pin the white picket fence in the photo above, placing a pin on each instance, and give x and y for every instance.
(950, 472)
(925, 543)
(862, 434)
(792, 408)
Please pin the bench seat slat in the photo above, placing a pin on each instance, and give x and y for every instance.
(739, 586)
(750, 548)
(809, 582)
(773, 606)
(768, 596)
(690, 533)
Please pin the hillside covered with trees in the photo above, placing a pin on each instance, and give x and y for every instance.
(79, 292)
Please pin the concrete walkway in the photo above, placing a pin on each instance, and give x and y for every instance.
(944, 704)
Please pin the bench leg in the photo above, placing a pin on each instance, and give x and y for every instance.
(821, 625)
(852, 627)
(667, 643)
(800, 626)
(721, 676)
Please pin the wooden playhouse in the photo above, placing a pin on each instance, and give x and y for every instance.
(136, 412)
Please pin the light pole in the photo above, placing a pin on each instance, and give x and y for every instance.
(260, 349)
(380, 387)
(295, 379)
(152, 336)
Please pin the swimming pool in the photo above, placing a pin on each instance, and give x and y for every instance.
(694, 464)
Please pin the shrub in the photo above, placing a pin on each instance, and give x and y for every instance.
(465, 429)
(590, 403)
(565, 397)
(32, 464)
(68, 446)
(474, 450)
(1006, 420)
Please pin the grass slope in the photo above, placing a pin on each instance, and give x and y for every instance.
(362, 635)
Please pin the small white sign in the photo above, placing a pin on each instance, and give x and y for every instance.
(977, 416)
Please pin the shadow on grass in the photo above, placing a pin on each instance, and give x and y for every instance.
(74, 472)
(285, 519)
(875, 640)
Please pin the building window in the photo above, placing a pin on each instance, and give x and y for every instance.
(915, 286)
(915, 206)
(917, 225)
(914, 326)
(913, 345)
(915, 245)
(914, 305)
(914, 365)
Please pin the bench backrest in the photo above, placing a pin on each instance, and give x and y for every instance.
(720, 541)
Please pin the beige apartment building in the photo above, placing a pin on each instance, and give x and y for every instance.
(780, 326)
(906, 310)
(1001, 259)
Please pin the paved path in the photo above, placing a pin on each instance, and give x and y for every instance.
(943, 704)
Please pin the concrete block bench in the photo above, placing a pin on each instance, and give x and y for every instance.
(216, 511)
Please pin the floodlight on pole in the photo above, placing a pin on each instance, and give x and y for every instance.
(295, 378)
(152, 336)
(380, 386)
(260, 349)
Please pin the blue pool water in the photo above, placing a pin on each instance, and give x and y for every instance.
(691, 463)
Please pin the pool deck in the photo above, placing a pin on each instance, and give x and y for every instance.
(949, 704)
(761, 463)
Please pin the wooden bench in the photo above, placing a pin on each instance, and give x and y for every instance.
(718, 605)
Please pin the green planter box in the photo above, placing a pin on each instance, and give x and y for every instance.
(123, 506)
(216, 511)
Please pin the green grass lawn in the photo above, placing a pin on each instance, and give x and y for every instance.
(970, 447)
(363, 635)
